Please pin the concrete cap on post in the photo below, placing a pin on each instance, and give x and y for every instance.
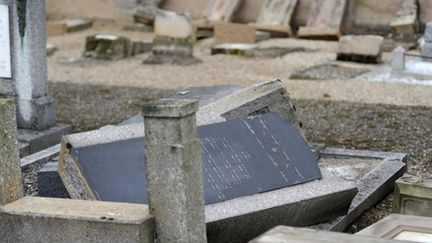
(170, 108)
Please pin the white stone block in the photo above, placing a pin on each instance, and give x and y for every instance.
(171, 24)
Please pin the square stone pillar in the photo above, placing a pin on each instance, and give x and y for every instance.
(29, 64)
(174, 171)
(11, 188)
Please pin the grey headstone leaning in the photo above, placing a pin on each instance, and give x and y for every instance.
(35, 109)
(174, 170)
(11, 188)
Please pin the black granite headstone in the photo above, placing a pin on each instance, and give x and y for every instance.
(241, 157)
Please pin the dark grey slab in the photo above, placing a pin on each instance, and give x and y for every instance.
(241, 157)
(50, 183)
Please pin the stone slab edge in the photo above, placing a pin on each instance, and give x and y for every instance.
(41, 157)
(284, 234)
(373, 187)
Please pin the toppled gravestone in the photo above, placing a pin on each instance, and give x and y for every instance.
(413, 196)
(275, 16)
(173, 41)
(112, 47)
(406, 22)
(325, 20)
(362, 48)
(37, 219)
(229, 159)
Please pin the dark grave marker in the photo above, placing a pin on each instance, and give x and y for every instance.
(241, 157)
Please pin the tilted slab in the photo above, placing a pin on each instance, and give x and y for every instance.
(325, 19)
(35, 219)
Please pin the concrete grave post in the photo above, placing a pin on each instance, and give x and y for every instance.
(174, 170)
(10, 169)
(29, 63)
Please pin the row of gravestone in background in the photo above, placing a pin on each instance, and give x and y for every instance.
(367, 14)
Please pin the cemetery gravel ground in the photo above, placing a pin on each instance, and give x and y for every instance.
(340, 114)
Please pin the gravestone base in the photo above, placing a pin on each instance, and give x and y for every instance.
(40, 140)
(168, 50)
(41, 110)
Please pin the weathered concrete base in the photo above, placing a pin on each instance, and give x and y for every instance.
(73, 25)
(40, 140)
(204, 94)
(283, 234)
(35, 219)
(50, 183)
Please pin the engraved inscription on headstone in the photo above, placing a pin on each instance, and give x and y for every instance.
(5, 53)
(241, 157)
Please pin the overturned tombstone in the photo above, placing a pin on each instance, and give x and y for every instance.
(275, 17)
(239, 157)
(398, 228)
(406, 22)
(413, 196)
(173, 41)
(364, 49)
(112, 47)
(374, 173)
